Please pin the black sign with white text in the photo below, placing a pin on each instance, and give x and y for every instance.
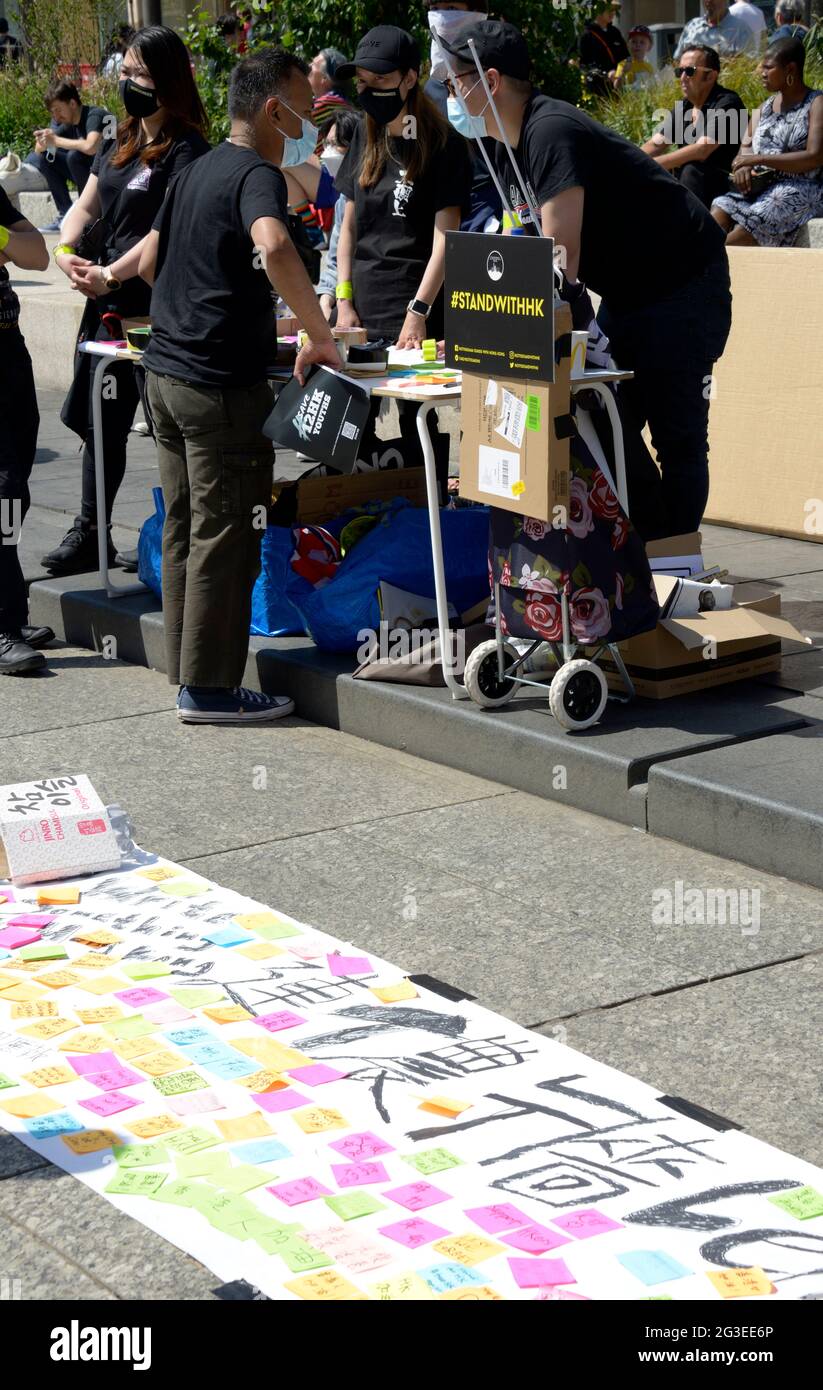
(500, 305)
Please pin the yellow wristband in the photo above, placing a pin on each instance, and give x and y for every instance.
(64, 250)
(344, 290)
(4, 237)
(511, 219)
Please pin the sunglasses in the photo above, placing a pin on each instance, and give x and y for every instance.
(690, 71)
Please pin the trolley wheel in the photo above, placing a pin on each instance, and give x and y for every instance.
(578, 694)
(482, 678)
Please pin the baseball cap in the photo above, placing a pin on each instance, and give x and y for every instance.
(498, 45)
(640, 29)
(383, 49)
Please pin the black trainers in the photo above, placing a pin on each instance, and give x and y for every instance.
(77, 552)
(16, 656)
(37, 636)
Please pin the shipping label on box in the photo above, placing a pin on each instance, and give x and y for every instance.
(55, 828)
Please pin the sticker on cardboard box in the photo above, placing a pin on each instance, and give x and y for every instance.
(498, 470)
(512, 421)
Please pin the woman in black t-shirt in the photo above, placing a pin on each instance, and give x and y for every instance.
(407, 177)
(100, 245)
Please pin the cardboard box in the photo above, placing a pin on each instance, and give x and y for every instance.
(513, 454)
(320, 499)
(55, 828)
(685, 654)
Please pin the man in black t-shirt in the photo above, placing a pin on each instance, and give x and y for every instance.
(219, 247)
(706, 128)
(640, 240)
(601, 48)
(66, 148)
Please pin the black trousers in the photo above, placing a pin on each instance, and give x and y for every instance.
(119, 404)
(704, 182)
(19, 422)
(671, 345)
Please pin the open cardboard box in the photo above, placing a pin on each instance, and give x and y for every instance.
(317, 500)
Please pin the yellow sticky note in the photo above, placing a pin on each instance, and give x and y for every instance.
(104, 1013)
(262, 1081)
(480, 1291)
(26, 966)
(6, 981)
(154, 1125)
(50, 1076)
(40, 1008)
(57, 896)
(159, 1063)
(26, 1107)
(252, 921)
(740, 1283)
(90, 961)
(443, 1105)
(402, 1288)
(86, 1042)
(47, 1028)
(392, 994)
(102, 984)
(23, 994)
(468, 1249)
(159, 874)
(518, 488)
(275, 1056)
(253, 1126)
(59, 979)
(228, 1013)
(129, 1048)
(259, 950)
(326, 1286)
(97, 936)
(90, 1141)
(317, 1118)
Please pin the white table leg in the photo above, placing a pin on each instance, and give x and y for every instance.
(98, 378)
(444, 631)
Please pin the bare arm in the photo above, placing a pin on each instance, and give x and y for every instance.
(87, 145)
(562, 218)
(147, 266)
(694, 153)
(347, 316)
(25, 247)
(287, 275)
(799, 161)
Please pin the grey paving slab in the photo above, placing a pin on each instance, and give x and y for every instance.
(70, 692)
(119, 1254)
(15, 1158)
(800, 670)
(760, 802)
(43, 1273)
(746, 1048)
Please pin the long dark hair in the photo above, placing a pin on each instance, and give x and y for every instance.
(431, 131)
(166, 57)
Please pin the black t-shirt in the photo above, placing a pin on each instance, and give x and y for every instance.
(395, 227)
(91, 119)
(726, 129)
(212, 308)
(602, 48)
(9, 303)
(644, 234)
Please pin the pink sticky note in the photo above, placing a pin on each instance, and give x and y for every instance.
(413, 1232)
(273, 1023)
(416, 1195)
(300, 1190)
(582, 1224)
(167, 1013)
(136, 998)
(305, 948)
(497, 1218)
(109, 1103)
(12, 937)
(7, 895)
(87, 1063)
(546, 1294)
(535, 1240)
(350, 965)
(359, 1174)
(539, 1274)
(318, 1074)
(31, 919)
(198, 1103)
(360, 1146)
(113, 1078)
(279, 1100)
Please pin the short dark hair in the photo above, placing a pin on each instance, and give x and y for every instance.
(259, 77)
(786, 51)
(62, 90)
(710, 56)
(345, 124)
(333, 59)
(227, 24)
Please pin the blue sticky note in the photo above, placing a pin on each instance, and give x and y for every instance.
(189, 1037)
(450, 1275)
(653, 1266)
(61, 1122)
(228, 1067)
(260, 1151)
(204, 1053)
(4, 953)
(228, 936)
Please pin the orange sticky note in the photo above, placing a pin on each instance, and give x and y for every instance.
(275, 1056)
(129, 1048)
(59, 979)
(159, 874)
(318, 1118)
(97, 936)
(392, 994)
(253, 1126)
(57, 896)
(39, 1008)
(326, 1286)
(86, 1042)
(740, 1283)
(102, 984)
(90, 1141)
(262, 1081)
(50, 1076)
(259, 950)
(104, 1013)
(159, 1063)
(90, 961)
(480, 1291)
(228, 1013)
(154, 1125)
(26, 1107)
(468, 1249)
(442, 1105)
(47, 1028)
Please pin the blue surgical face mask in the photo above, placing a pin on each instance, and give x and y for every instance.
(298, 148)
(473, 127)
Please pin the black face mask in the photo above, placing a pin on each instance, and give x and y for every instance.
(382, 106)
(138, 101)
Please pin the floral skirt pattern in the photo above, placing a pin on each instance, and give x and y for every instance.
(598, 560)
(775, 217)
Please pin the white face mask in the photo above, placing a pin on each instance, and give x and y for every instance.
(447, 24)
(298, 148)
(332, 159)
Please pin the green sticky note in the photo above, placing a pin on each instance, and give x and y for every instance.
(43, 950)
(6, 1082)
(135, 1026)
(191, 996)
(301, 1256)
(227, 1209)
(182, 1193)
(242, 1178)
(202, 1164)
(140, 1155)
(275, 931)
(135, 1183)
(432, 1160)
(352, 1204)
(801, 1202)
(259, 1227)
(532, 412)
(183, 888)
(145, 969)
(276, 1235)
(191, 1140)
(179, 1083)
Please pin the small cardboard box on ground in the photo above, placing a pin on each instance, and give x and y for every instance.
(716, 647)
(320, 499)
(510, 453)
(55, 828)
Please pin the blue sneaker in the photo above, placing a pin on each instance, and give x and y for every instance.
(201, 705)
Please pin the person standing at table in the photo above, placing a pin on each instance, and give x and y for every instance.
(407, 181)
(164, 131)
(21, 245)
(213, 338)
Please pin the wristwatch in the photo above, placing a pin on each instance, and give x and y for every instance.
(111, 280)
(419, 306)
